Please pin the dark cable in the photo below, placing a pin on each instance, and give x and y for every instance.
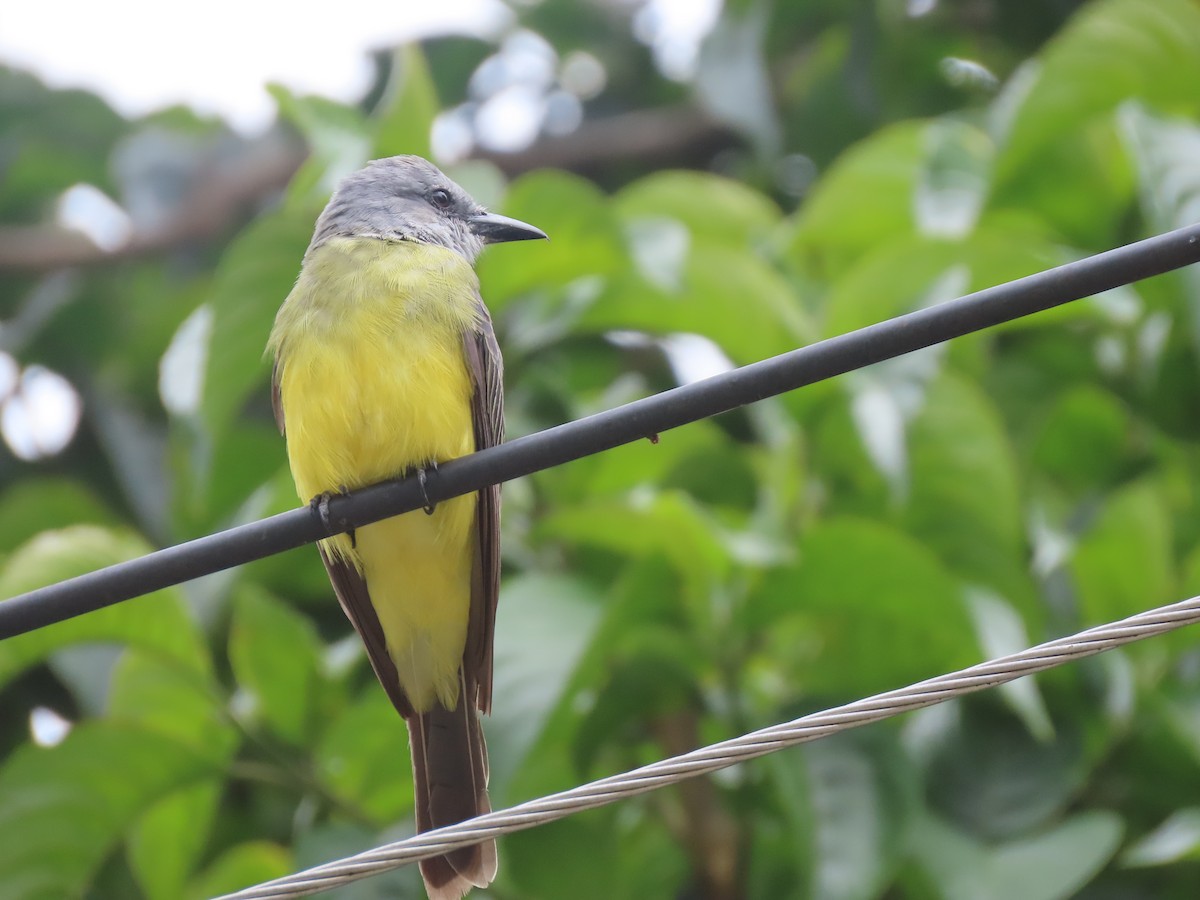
(633, 421)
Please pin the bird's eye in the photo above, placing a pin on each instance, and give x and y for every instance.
(440, 198)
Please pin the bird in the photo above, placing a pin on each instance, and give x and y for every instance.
(386, 364)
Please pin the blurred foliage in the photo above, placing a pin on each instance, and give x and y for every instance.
(961, 502)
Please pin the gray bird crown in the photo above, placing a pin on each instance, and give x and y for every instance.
(402, 198)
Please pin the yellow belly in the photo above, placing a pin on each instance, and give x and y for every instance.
(374, 382)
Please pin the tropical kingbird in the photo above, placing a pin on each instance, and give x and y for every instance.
(386, 364)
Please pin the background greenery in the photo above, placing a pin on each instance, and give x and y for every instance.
(829, 164)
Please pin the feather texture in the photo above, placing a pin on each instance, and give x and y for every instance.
(386, 361)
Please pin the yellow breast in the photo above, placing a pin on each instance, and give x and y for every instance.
(374, 381)
(372, 373)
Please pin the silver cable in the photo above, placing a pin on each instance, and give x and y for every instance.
(727, 753)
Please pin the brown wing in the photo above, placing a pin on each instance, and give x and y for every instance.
(351, 590)
(487, 414)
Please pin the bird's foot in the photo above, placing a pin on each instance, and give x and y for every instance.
(422, 478)
(320, 504)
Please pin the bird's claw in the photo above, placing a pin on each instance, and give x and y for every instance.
(422, 478)
(320, 504)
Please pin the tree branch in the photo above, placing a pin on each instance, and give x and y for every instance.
(673, 135)
(678, 135)
(218, 198)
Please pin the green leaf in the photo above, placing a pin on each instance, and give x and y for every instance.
(1001, 631)
(240, 866)
(1084, 438)
(159, 622)
(34, 505)
(882, 171)
(1189, 574)
(965, 502)
(1167, 155)
(338, 135)
(1181, 721)
(954, 179)
(178, 703)
(404, 119)
(545, 625)
(168, 839)
(149, 693)
(362, 757)
(1111, 51)
(784, 856)
(61, 138)
(723, 293)
(578, 857)
(254, 276)
(669, 524)
(718, 209)
(66, 807)
(1177, 839)
(857, 815)
(134, 445)
(649, 678)
(985, 769)
(1089, 162)
(651, 861)
(275, 654)
(902, 275)
(1052, 865)
(909, 272)
(584, 238)
(1124, 564)
(647, 662)
(676, 456)
(868, 609)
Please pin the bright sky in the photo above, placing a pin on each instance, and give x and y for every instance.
(218, 55)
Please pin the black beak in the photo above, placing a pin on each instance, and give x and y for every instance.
(496, 229)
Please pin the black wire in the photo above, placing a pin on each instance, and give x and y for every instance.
(640, 419)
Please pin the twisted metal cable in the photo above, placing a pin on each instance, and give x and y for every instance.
(727, 753)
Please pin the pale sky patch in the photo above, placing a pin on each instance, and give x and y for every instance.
(218, 56)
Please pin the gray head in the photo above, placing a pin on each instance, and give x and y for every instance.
(407, 198)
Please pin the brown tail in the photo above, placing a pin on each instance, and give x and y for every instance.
(450, 774)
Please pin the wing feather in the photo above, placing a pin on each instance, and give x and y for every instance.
(487, 414)
(351, 589)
